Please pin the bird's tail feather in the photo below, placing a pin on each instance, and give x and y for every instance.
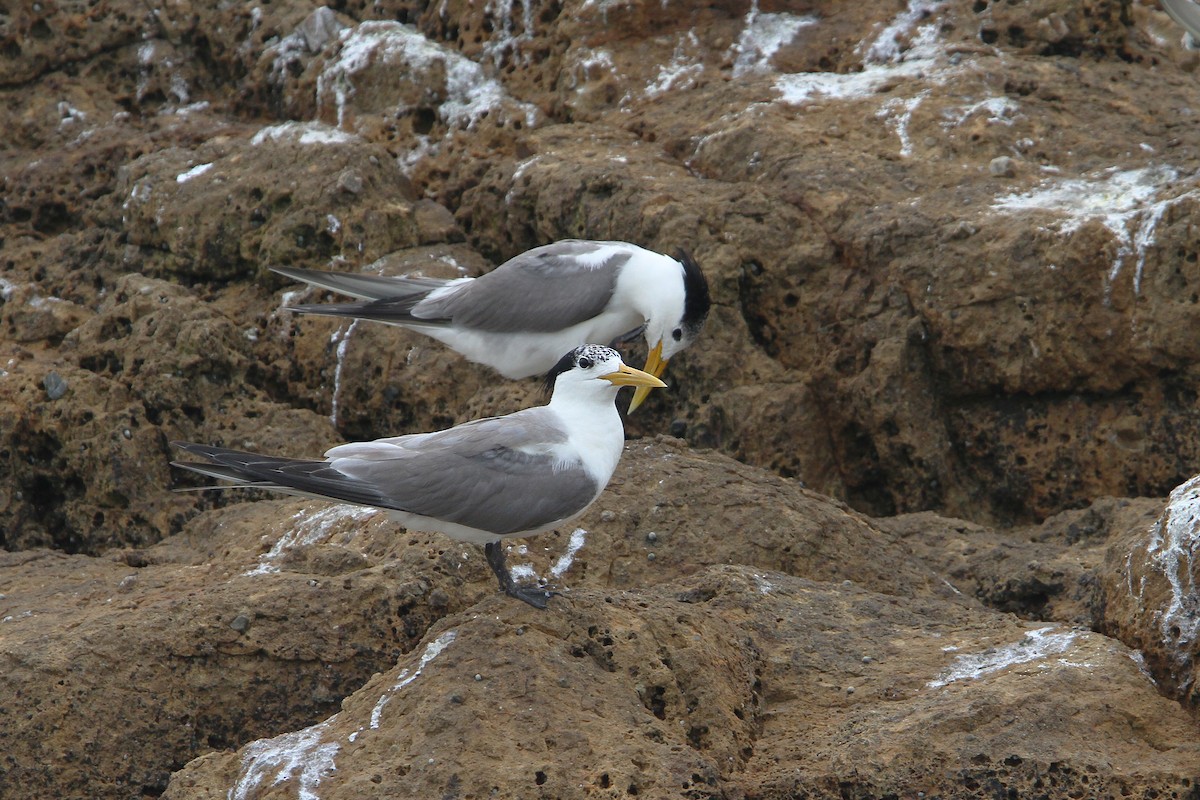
(391, 310)
(362, 285)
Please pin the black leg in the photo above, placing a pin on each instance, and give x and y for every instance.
(627, 337)
(536, 597)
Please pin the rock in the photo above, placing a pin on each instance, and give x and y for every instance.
(89, 469)
(239, 602)
(276, 203)
(966, 391)
(1003, 167)
(29, 317)
(162, 642)
(701, 688)
(243, 600)
(1149, 593)
(890, 336)
(56, 387)
(1052, 572)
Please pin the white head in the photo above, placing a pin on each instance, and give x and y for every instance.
(675, 318)
(594, 368)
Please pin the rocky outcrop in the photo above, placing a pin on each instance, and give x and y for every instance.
(928, 271)
(734, 683)
(1149, 589)
(954, 284)
(315, 640)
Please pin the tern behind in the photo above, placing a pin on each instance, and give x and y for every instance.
(521, 317)
(481, 481)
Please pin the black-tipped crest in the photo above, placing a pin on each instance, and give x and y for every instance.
(696, 300)
(595, 352)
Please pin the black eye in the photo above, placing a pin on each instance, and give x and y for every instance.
(586, 363)
(677, 334)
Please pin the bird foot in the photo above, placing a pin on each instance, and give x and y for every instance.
(536, 597)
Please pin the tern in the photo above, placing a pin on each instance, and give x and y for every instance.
(482, 481)
(521, 317)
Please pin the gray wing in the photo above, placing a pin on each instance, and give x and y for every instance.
(489, 474)
(496, 474)
(362, 286)
(545, 289)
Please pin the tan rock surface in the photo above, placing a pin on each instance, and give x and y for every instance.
(954, 278)
(735, 683)
(1150, 596)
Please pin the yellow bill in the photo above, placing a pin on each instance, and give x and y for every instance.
(655, 364)
(628, 376)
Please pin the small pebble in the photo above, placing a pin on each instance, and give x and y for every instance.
(867, 659)
(56, 387)
(350, 182)
(1003, 167)
(649, 556)
(651, 537)
(478, 677)
(849, 690)
(240, 623)
(607, 516)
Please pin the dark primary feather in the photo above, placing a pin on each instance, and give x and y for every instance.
(392, 310)
(271, 472)
(364, 286)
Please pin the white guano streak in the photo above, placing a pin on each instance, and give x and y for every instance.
(432, 651)
(1128, 203)
(308, 529)
(1171, 550)
(341, 338)
(1034, 646)
(578, 537)
(300, 754)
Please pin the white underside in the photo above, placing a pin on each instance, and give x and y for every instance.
(520, 355)
(464, 533)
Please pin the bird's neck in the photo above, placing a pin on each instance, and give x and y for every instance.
(652, 283)
(589, 415)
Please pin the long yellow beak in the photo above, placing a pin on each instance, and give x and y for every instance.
(628, 376)
(655, 364)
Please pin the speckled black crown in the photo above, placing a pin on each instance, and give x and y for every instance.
(596, 352)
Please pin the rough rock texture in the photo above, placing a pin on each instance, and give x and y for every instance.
(1150, 590)
(735, 683)
(935, 287)
(655, 668)
(327, 595)
(955, 287)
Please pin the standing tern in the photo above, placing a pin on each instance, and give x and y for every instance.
(522, 316)
(481, 481)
